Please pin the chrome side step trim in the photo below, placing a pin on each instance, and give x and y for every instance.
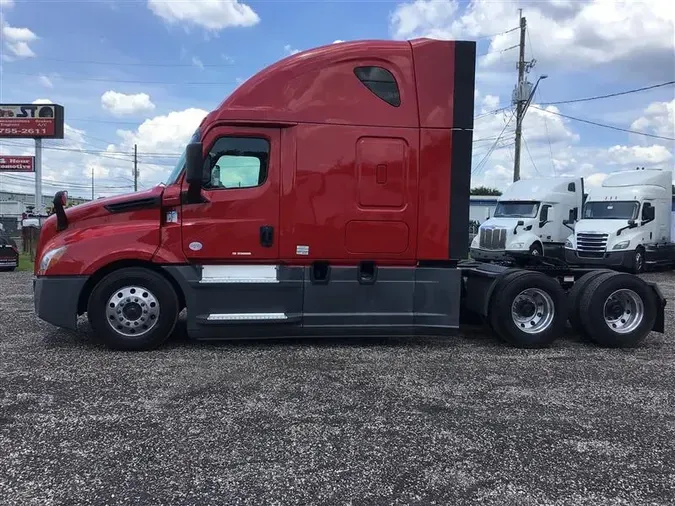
(246, 316)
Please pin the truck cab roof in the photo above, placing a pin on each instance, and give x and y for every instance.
(372, 83)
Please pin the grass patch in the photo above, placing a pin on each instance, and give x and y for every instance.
(25, 263)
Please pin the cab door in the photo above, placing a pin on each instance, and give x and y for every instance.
(238, 220)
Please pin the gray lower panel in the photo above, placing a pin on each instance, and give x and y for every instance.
(437, 298)
(217, 308)
(55, 299)
(393, 301)
(344, 300)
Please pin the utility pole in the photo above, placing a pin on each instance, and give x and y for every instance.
(519, 96)
(135, 168)
(92, 183)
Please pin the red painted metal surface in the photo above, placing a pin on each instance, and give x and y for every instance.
(351, 177)
(227, 227)
(96, 237)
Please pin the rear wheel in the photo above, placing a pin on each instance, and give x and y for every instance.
(574, 298)
(133, 309)
(529, 311)
(618, 310)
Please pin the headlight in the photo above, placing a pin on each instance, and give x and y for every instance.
(50, 257)
(474, 243)
(516, 245)
(568, 244)
(621, 245)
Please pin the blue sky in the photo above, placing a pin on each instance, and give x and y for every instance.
(81, 50)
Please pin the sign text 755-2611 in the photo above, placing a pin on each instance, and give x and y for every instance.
(31, 121)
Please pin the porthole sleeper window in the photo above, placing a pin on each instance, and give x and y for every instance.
(381, 82)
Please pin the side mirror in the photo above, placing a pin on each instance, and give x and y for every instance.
(521, 223)
(194, 165)
(632, 224)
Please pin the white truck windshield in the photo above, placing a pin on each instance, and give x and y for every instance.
(613, 210)
(516, 209)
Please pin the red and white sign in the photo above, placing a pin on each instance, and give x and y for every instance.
(31, 121)
(17, 164)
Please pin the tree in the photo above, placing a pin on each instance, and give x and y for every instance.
(484, 190)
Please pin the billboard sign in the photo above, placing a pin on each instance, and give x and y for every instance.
(31, 121)
(17, 164)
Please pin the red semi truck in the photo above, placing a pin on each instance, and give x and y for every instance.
(328, 195)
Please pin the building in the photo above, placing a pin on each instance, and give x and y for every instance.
(482, 207)
(28, 199)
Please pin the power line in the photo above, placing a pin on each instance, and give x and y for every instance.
(548, 136)
(527, 148)
(598, 97)
(134, 64)
(606, 126)
(128, 81)
(481, 164)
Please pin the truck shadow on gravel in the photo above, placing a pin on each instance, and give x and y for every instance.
(469, 336)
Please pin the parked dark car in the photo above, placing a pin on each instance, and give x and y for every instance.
(9, 253)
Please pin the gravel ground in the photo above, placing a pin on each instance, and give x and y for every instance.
(440, 421)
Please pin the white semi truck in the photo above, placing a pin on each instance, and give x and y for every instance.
(626, 223)
(530, 220)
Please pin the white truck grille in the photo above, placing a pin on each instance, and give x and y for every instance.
(591, 244)
(492, 238)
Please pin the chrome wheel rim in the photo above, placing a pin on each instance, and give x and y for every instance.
(533, 311)
(132, 311)
(624, 311)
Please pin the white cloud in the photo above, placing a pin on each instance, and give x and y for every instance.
(17, 40)
(45, 81)
(70, 166)
(338, 41)
(568, 35)
(197, 62)
(120, 104)
(164, 134)
(290, 50)
(210, 14)
(658, 119)
(7, 3)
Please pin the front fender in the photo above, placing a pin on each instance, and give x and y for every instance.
(527, 238)
(89, 249)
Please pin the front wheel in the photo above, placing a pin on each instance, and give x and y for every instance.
(133, 309)
(536, 250)
(638, 266)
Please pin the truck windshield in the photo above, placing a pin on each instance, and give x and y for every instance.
(516, 209)
(181, 161)
(614, 210)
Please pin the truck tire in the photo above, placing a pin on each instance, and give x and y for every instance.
(638, 263)
(530, 310)
(618, 310)
(536, 250)
(574, 299)
(133, 309)
(492, 319)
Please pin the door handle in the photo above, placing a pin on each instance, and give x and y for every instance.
(266, 236)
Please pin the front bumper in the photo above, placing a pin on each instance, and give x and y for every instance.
(9, 262)
(486, 255)
(609, 259)
(56, 299)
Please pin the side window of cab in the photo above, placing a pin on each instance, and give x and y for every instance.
(238, 162)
